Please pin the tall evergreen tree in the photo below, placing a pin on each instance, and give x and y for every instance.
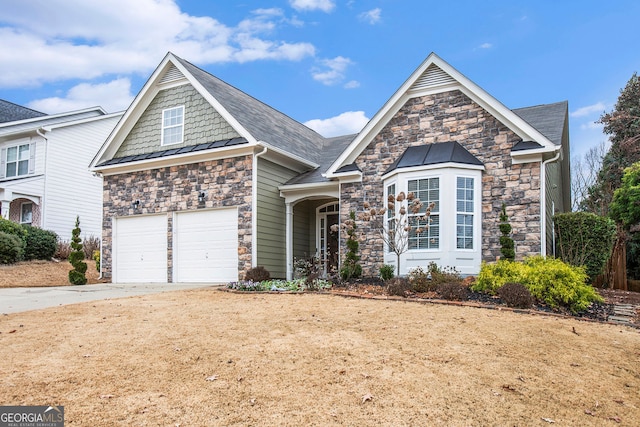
(77, 276)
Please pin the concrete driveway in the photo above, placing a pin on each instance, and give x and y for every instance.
(14, 300)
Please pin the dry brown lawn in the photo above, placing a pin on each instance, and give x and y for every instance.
(41, 273)
(207, 358)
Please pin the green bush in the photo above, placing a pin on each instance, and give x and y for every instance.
(76, 257)
(39, 243)
(11, 227)
(584, 239)
(387, 272)
(11, 248)
(548, 279)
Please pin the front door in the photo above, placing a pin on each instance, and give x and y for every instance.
(328, 216)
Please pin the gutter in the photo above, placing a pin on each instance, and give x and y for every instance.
(40, 131)
(543, 201)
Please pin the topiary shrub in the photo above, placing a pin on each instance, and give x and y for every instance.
(398, 286)
(506, 242)
(584, 239)
(515, 295)
(77, 276)
(452, 291)
(351, 268)
(420, 280)
(387, 272)
(257, 274)
(39, 243)
(11, 248)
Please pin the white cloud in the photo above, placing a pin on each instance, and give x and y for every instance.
(86, 40)
(343, 124)
(112, 96)
(323, 5)
(485, 46)
(372, 16)
(352, 84)
(333, 71)
(598, 107)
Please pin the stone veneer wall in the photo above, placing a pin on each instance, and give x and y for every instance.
(443, 117)
(166, 190)
(202, 123)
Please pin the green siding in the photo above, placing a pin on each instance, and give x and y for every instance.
(271, 219)
(202, 123)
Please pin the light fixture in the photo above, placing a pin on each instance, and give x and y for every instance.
(202, 196)
(135, 205)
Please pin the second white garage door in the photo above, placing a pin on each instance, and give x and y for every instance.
(205, 246)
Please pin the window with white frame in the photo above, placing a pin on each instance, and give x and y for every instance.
(26, 213)
(428, 191)
(173, 125)
(391, 215)
(464, 212)
(17, 162)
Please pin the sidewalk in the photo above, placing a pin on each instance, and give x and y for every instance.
(14, 300)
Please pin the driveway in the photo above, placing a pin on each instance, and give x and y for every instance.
(14, 300)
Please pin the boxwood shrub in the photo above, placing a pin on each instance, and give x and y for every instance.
(11, 248)
(39, 243)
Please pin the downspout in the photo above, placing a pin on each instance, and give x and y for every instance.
(101, 227)
(543, 201)
(254, 207)
(40, 132)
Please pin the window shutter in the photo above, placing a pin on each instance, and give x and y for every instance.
(32, 157)
(3, 162)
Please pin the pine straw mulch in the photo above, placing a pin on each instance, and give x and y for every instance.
(29, 274)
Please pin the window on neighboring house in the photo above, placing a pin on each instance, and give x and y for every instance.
(26, 213)
(428, 191)
(172, 125)
(17, 162)
(464, 213)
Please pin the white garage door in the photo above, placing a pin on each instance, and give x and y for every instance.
(140, 249)
(205, 246)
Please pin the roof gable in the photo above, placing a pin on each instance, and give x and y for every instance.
(435, 75)
(254, 121)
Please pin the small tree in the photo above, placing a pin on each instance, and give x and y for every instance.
(404, 217)
(506, 242)
(351, 268)
(76, 257)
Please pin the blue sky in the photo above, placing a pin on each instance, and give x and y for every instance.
(328, 63)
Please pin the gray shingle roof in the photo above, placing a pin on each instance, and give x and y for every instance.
(10, 112)
(263, 122)
(330, 151)
(548, 119)
(433, 154)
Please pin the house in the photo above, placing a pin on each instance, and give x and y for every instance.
(203, 181)
(10, 112)
(44, 169)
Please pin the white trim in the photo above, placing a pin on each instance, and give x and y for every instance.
(421, 169)
(319, 246)
(543, 201)
(254, 206)
(30, 161)
(52, 116)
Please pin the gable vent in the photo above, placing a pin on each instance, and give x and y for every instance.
(434, 76)
(172, 74)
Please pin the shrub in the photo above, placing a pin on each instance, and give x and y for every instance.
(420, 280)
(39, 243)
(506, 242)
(90, 245)
(398, 286)
(305, 267)
(76, 257)
(387, 272)
(11, 227)
(96, 258)
(247, 286)
(11, 248)
(515, 295)
(443, 275)
(351, 268)
(584, 239)
(453, 291)
(257, 274)
(63, 250)
(548, 279)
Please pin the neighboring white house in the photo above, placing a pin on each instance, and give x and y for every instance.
(44, 175)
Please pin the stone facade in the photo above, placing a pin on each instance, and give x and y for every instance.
(202, 123)
(227, 182)
(444, 117)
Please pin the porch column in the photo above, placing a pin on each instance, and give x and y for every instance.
(6, 205)
(289, 240)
